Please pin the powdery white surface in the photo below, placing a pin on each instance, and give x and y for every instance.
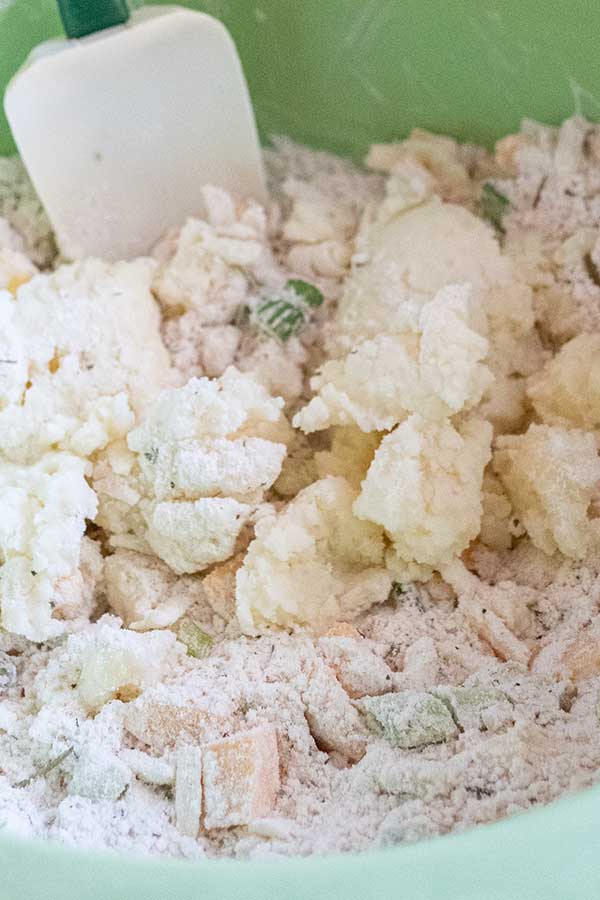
(342, 788)
(44, 510)
(360, 708)
(86, 356)
(193, 471)
(552, 185)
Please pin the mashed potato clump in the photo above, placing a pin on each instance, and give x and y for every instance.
(432, 365)
(313, 563)
(424, 488)
(194, 471)
(549, 474)
(567, 390)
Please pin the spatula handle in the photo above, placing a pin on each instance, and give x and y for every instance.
(81, 17)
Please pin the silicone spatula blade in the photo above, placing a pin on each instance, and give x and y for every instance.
(120, 130)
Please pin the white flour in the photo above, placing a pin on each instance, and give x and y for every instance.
(325, 806)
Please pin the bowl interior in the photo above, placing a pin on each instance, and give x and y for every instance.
(339, 75)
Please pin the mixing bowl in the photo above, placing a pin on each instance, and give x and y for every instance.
(339, 74)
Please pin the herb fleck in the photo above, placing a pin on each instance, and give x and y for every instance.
(284, 316)
(309, 293)
(45, 770)
(592, 271)
(198, 643)
(493, 206)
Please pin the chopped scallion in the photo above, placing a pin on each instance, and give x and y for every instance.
(198, 643)
(493, 206)
(284, 316)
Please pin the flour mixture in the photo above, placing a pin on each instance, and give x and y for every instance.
(300, 519)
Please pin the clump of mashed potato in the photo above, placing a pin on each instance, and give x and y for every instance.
(314, 563)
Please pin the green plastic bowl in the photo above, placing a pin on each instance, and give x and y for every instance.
(338, 74)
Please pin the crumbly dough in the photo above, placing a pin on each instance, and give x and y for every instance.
(44, 510)
(549, 474)
(432, 365)
(86, 357)
(424, 488)
(313, 563)
(566, 391)
(276, 590)
(193, 471)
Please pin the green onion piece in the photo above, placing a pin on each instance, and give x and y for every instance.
(282, 317)
(279, 318)
(309, 293)
(410, 719)
(242, 316)
(493, 206)
(198, 643)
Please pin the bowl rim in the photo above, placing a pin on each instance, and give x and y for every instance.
(547, 853)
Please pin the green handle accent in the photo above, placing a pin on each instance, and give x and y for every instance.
(81, 17)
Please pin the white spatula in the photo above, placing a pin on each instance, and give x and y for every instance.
(121, 126)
